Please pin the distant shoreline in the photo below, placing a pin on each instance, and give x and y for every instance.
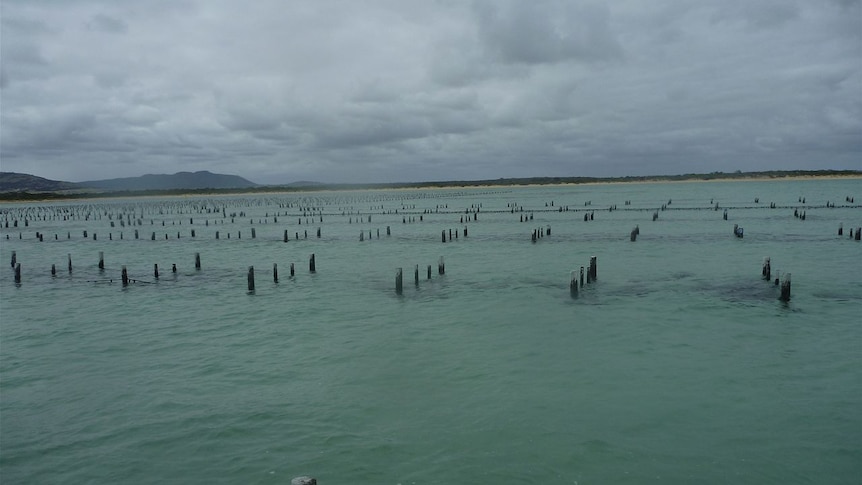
(11, 197)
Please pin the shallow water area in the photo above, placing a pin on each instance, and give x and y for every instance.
(678, 364)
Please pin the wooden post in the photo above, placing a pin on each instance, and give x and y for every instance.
(101, 261)
(593, 272)
(573, 284)
(311, 265)
(318, 233)
(388, 232)
(174, 268)
(443, 235)
(70, 263)
(766, 272)
(841, 229)
(634, 235)
(291, 270)
(858, 236)
(17, 273)
(582, 276)
(398, 281)
(53, 270)
(275, 272)
(197, 261)
(253, 235)
(416, 275)
(785, 288)
(193, 233)
(156, 270)
(251, 278)
(216, 234)
(285, 235)
(14, 259)
(125, 276)
(429, 271)
(441, 266)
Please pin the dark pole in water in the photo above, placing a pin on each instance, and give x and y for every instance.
(582, 276)
(101, 261)
(125, 276)
(573, 284)
(291, 270)
(70, 263)
(17, 273)
(53, 270)
(275, 272)
(441, 266)
(785, 288)
(429, 271)
(593, 272)
(311, 265)
(251, 278)
(398, 281)
(14, 259)
(197, 261)
(766, 272)
(416, 275)
(156, 270)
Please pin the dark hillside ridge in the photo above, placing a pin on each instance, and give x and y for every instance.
(177, 181)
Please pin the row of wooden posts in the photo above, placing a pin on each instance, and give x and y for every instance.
(592, 275)
(766, 273)
(399, 275)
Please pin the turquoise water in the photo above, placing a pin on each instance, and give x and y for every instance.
(678, 365)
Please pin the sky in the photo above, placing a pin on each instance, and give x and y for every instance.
(278, 91)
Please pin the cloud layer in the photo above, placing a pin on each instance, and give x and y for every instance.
(388, 90)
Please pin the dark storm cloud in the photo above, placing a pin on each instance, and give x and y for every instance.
(391, 90)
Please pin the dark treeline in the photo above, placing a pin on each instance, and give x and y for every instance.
(738, 175)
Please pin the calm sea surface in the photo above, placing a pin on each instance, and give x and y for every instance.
(678, 365)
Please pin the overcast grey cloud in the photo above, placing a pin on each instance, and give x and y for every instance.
(346, 91)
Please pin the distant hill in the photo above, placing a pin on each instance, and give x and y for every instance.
(22, 182)
(177, 181)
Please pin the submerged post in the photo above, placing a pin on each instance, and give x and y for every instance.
(785, 288)
(275, 272)
(416, 275)
(125, 276)
(766, 272)
(101, 261)
(156, 270)
(398, 281)
(291, 270)
(573, 283)
(198, 261)
(441, 266)
(14, 259)
(251, 278)
(311, 265)
(70, 263)
(17, 273)
(593, 272)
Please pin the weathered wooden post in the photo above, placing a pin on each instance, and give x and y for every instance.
(275, 272)
(582, 276)
(70, 263)
(398, 281)
(388, 232)
(197, 261)
(174, 268)
(101, 261)
(593, 273)
(125, 276)
(136, 233)
(311, 265)
(361, 235)
(253, 234)
(573, 283)
(14, 258)
(251, 278)
(416, 275)
(216, 234)
(443, 235)
(291, 270)
(841, 229)
(318, 233)
(285, 235)
(785, 288)
(17, 273)
(634, 235)
(156, 270)
(429, 271)
(153, 236)
(53, 270)
(193, 233)
(858, 236)
(441, 266)
(766, 272)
